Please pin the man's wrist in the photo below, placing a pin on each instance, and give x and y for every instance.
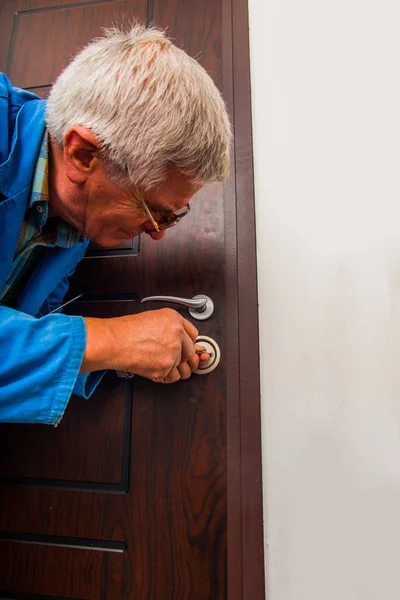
(100, 351)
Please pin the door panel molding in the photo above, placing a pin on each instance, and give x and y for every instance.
(63, 541)
(39, 569)
(11, 596)
(122, 487)
(31, 24)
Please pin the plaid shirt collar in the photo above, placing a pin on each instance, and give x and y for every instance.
(38, 210)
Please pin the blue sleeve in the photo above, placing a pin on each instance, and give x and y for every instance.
(86, 383)
(39, 366)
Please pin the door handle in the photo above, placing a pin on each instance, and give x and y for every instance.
(200, 307)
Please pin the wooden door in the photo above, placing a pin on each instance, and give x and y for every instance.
(147, 492)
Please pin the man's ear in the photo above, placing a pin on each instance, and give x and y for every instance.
(81, 154)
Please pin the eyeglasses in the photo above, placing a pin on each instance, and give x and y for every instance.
(167, 220)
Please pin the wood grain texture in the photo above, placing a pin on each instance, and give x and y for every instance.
(178, 511)
(4, 595)
(7, 11)
(86, 446)
(38, 569)
(12, 11)
(197, 28)
(176, 507)
(72, 27)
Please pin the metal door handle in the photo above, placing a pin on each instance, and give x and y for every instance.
(201, 307)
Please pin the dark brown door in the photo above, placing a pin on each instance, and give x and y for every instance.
(147, 492)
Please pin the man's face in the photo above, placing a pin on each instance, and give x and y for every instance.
(114, 214)
(82, 194)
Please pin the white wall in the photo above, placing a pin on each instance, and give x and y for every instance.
(326, 105)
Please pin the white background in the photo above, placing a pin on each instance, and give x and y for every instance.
(326, 127)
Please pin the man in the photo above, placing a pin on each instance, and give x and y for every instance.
(133, 128)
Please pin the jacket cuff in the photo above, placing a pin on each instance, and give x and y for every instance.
(70, 371)
(86, 383)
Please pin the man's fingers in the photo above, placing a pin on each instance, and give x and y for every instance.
(173, 375)
(185, 370)
(190, 330)
(193, 362)
(188, 348)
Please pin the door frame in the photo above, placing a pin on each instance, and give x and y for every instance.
(244, 467)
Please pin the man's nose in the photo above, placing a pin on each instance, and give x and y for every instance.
(157, 235)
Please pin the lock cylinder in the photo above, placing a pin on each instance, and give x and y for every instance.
(212, 348)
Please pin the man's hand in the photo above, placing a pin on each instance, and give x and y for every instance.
(157, 344)
(184, 369)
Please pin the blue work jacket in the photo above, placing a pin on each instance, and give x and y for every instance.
(40, 354)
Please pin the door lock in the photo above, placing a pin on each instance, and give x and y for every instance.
(200, 307)
(206, 366)
(213, 350)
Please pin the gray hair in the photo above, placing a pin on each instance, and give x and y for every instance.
(151, 106)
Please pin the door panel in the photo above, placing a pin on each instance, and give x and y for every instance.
(87, 449)
(197, 27)
(34, 568)
(71, 28)
(140, 470)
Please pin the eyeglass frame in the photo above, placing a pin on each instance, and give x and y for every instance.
(154, 223)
